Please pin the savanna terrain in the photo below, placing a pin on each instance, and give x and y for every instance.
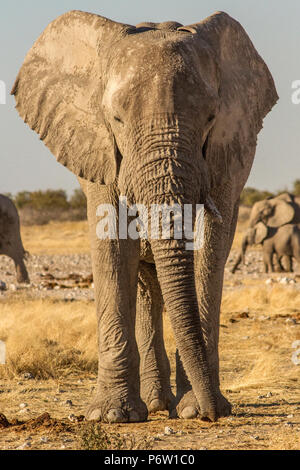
(49, 329)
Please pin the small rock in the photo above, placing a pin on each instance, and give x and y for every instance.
(13, 287)
(44, 439)
(290, 416)
(168, 430)
(73, 418)
(66, 439)
(3, 286)
(264, 317)
(26, 445)
(28, 376)
(291, 320)
(69, 402)
(269, 394)
(23, 405)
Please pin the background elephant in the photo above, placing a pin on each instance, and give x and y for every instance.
(282, 242)
(161, 114)
(10, 238)
(274, 212)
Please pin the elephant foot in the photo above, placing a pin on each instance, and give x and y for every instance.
(116, 411)
(160, 401)
(157, 399)
(188, 407)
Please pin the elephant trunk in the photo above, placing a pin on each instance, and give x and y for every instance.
(171, 175)
(175, 270)
(241, 256)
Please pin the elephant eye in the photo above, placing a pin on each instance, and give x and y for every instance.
(211, 118)
(116, 118)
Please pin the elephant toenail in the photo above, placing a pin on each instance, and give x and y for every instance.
(115, 415)
(94, 416)
(133, 417)
(156, 405)
(189, 412)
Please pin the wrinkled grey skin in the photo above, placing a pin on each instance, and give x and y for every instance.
(274, 212)
(10, 238)
(162, 114)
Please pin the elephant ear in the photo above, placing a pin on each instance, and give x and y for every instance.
(246, 91)
(59, 89)
(283, 213)
(261, 232)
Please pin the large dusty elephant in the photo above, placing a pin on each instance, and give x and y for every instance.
(274, 212)
(10, 238)
(161, 114)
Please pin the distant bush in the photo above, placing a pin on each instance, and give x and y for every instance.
(250, 196)
(42, 199)
(296, 188)
(78, 199)
(40, 207)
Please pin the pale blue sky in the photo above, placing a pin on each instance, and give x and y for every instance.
(273, 26)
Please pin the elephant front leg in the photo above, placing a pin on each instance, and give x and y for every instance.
(209, 273)
(115, 269)
(154, 363)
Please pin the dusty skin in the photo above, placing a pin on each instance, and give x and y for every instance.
(259, 324)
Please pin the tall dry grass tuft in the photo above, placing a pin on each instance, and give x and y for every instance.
(48, 338)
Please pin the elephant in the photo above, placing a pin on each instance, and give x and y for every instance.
(281, 241)
(10, 238)
(274, 212)
(159, 114)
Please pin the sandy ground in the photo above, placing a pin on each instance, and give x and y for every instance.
(260, 323)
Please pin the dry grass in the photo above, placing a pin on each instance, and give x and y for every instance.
(56, 341)
(57, 238)
(48, 338)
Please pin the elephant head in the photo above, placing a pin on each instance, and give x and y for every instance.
(274, 212)
(164, 112)
(257, 234)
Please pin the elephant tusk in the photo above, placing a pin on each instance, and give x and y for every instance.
(212, 210)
